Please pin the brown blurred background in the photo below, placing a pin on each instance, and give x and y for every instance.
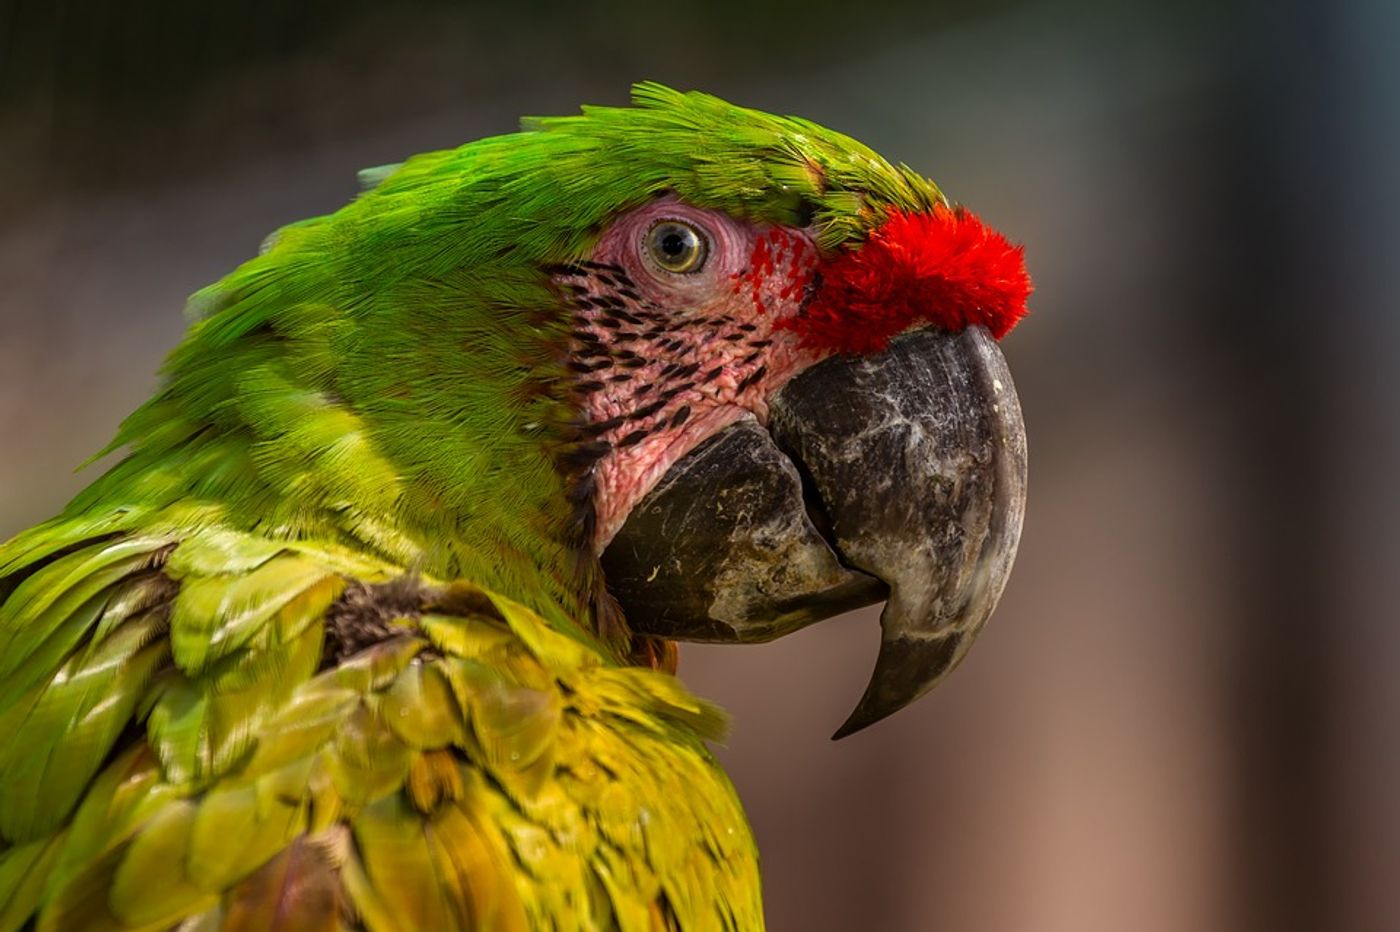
(1186, 714)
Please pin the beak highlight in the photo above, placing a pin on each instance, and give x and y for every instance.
(899, 476)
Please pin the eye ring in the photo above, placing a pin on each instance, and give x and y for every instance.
(676, 246)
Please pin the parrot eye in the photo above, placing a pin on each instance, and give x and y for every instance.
(676, 246)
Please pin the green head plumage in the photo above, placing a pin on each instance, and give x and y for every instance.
(393, 376)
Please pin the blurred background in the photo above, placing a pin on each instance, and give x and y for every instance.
(1186, 713)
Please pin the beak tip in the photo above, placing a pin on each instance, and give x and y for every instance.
(906, 668)
(859, 720)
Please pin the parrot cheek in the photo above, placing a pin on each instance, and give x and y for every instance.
(899, 476)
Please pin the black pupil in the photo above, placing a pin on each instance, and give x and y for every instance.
(674, 243)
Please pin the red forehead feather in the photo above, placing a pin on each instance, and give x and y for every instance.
(944, 268)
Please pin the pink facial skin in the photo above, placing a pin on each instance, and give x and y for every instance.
(667, 359)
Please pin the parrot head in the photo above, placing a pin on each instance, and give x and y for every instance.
(675, 371)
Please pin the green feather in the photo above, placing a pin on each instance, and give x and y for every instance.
(65, 733)
(23, 870)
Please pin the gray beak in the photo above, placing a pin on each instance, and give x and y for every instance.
(900, 477)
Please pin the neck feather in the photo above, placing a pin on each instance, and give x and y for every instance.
(430, 448)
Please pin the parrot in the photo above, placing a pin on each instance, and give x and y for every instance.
(373, 623)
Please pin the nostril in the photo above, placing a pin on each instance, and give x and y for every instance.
(806, 213)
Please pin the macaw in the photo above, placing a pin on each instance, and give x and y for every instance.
(373, 623)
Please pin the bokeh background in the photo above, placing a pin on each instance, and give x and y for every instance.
(1186, 714)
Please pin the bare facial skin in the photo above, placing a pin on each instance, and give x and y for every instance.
(665, 359)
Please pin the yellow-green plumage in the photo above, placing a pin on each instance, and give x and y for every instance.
(477, 771)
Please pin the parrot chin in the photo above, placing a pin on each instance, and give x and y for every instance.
(898, 477)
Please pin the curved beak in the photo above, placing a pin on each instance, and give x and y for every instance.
(899, 476)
